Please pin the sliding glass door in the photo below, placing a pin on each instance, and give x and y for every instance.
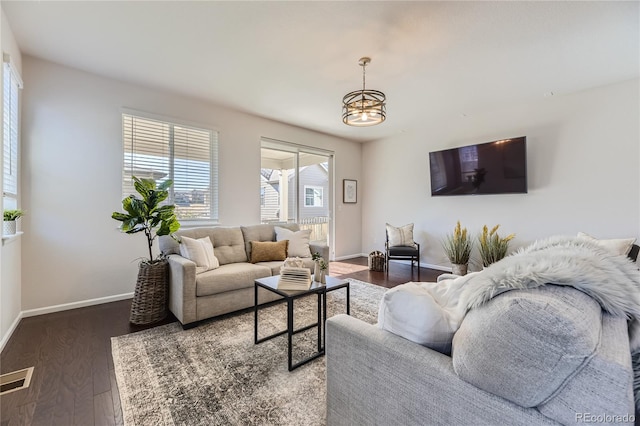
(296, 185)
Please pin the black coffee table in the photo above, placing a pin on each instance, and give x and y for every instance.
(288, 296)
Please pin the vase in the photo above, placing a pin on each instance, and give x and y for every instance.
(9, 227)
(149, 303)
(459, 269)
(323, 277)
(316, 271)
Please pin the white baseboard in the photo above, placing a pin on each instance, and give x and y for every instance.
(425, 265)
(59, 308)
(350, 256)
(75, 305)
(436, 267)
(422, 265)
(10, 331)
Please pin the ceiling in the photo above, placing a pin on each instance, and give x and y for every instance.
(294, 61)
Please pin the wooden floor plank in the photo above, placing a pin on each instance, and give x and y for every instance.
(83, 407)
(23, 415)
(103, 409)
(115, 396)
(74, 380)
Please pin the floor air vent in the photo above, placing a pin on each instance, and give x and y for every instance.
(15, 380)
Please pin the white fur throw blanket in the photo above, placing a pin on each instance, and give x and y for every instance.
(613, 281)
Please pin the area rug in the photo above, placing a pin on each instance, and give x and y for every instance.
(215, 375)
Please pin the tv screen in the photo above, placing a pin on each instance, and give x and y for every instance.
(498, 167)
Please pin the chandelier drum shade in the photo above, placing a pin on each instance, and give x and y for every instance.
(364, 107)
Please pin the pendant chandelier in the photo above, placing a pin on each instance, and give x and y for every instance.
(364, 107)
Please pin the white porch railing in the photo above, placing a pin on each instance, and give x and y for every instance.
(319, 226)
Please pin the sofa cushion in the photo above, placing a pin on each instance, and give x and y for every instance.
(400, 236)
(621, 246)
(200, 252)
(265, 251)
(605, 385)
(298, 241)
(228, 243)
(419, 312)
(523, 345)
(168, 245)
(264, 232)
(232, 276)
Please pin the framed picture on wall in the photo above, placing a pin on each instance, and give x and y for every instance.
(349, 191)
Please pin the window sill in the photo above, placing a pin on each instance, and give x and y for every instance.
(6, 239)
(186, 224)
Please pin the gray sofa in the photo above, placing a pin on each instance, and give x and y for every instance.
(195, 297)
(542, 356)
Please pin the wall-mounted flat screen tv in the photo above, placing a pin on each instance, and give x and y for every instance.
(498, 167)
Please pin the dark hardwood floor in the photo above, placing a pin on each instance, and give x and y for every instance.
(74, 382)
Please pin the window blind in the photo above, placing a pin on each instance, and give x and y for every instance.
(12, 83)
(187, 155)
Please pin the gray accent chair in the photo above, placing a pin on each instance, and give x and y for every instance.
(411, 253)
(229, 288)
(541, 356)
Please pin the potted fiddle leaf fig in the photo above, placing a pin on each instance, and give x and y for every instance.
(146, 214)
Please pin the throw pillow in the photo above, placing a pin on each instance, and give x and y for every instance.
(419, 312)
(265, 251)
(618, 246)
(200, 252)
(402, 236)
(298, 241)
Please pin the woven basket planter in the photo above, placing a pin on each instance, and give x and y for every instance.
(150, 298)
(376, 261)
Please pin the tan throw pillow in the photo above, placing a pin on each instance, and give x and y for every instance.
(402, 236)
(617, 246)
(265, 251)
(200, 252)
(298, 241)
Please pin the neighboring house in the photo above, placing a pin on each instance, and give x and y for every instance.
(269, 195)
(312, 192)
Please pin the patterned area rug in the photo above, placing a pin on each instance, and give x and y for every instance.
(215, 375)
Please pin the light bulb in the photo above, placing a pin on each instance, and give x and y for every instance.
(364, 116)
(373, 113)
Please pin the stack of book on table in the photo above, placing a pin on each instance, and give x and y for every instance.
(292, 278)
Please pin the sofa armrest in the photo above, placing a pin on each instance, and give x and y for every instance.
(322, 248)
(182, 288)
(377, 378)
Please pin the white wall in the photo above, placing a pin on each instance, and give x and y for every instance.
(72, 179)
(10, 255)
(583, 172)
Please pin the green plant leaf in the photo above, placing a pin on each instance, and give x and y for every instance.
(13, 214)
(146, 214)
(131, 224)
(165, 185)
(161, 196)
(164, 229)
(120, 216)
(174, 225)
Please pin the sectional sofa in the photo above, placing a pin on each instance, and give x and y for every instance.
(548, 355)
(230, 287)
